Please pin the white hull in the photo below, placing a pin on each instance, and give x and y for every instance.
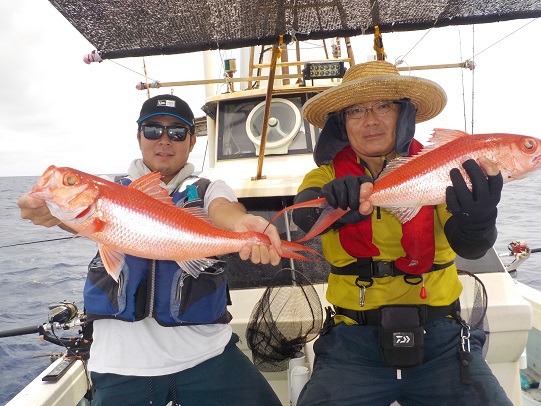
(67, 391)
(509, 316)
(532, 363)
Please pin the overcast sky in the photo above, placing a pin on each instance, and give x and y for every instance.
(55, 109)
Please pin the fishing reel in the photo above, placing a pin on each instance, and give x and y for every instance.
(521, 252)
(519, 248)
(63, 316)
(62, 312)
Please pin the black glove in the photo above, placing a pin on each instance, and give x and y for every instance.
(344, 193)
(475, 210)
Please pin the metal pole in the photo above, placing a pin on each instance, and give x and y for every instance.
(276, 49)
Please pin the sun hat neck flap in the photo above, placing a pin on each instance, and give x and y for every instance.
(376, 80)
(330, 143)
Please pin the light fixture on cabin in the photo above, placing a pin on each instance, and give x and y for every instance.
(323, 70)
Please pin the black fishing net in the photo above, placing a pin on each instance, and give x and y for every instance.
(474, 302)
(288, 315)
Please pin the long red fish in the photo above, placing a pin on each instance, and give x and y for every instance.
(141, 220)
(409, 183)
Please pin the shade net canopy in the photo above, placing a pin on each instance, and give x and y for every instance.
(131, 28)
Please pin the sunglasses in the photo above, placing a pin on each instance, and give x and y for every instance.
(174, 132)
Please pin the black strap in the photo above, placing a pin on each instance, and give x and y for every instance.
(427, 313)
(378, 269)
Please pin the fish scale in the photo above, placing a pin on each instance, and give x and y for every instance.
(409, 183)
(127, 220)
(422, 179)
(158, 236)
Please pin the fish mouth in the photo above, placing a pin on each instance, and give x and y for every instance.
(43, 189)
(50, 182)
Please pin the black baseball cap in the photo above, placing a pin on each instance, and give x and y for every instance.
(169, 105)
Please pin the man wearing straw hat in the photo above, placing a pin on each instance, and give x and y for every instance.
(395, 331)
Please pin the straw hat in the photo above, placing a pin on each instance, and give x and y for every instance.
(376, 80)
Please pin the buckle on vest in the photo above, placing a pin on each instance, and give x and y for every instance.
(381, 269)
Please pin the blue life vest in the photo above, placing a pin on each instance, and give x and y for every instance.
(159, 289)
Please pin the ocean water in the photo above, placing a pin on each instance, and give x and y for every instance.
(32, 276)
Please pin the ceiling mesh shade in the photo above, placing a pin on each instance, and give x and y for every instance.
(129, 28)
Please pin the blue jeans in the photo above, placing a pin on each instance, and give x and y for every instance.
(229, 379)
(349, 370)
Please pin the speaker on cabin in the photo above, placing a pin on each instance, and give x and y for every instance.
(240, 123)
(284, 123)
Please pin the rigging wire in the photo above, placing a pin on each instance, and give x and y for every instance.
(473, 79)
(417, 43)
(501, 39)
(398, 62)
(131, 70)
(470, 62)
(462, 77)
(35, 242)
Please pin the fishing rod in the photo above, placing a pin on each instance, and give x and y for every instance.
(510, 254)
(521, 252)
(35, 242)
(518, 247)
(62, 316)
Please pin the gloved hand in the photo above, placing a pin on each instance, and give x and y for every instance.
(344, 193)
(475, 210)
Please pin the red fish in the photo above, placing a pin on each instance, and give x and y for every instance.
(141, 220)
(409, 183)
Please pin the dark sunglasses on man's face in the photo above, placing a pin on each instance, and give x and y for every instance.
(174, 132)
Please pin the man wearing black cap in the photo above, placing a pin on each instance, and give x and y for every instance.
(160, 334)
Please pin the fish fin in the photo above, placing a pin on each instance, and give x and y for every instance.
(113, 261)
(325, 220)
(152, 185)
(328, 217)
(196, 266)
(442, 136)
(198, 212)
(95, 226)
(404, 214)
(289, 250)
(439, 137)
(320, 202)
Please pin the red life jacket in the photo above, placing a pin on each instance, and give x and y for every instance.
(417, 234)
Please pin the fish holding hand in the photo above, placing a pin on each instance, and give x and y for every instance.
(142, 220)
(409, 183)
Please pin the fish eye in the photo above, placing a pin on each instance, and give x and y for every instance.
(71, 179)
(529, 145)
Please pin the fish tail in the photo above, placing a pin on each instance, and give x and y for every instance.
(325, 220)
(289, 250)
(327, 217)
(320, 202)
